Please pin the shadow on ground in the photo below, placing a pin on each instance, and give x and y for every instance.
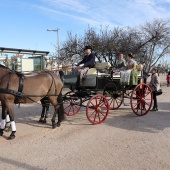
(153, 122)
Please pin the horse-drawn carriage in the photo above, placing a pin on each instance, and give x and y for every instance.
(99, 93)
(104, 91)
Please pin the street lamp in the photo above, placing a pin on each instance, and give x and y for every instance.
(58, 47)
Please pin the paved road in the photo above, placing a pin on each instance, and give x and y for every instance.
(123, 142)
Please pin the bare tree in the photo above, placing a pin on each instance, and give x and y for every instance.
(159, 46)
(149, 43)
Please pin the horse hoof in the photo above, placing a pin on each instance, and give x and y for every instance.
(11, 137)
(58, 124)
(42, 121)
(53, 124)
(1, 132)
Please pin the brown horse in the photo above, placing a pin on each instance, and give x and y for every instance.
(29, 89)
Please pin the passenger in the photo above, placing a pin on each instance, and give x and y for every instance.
(87, 62)
(129, 76)
(155, 86)
(121, 64)
(131, 64)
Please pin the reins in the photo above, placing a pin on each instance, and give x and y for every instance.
(51, 82)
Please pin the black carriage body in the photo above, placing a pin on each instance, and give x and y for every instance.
(96, 82)
(88, 95)
(91, 81)
(104, 89)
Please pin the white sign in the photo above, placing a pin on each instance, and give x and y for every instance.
(27, 64)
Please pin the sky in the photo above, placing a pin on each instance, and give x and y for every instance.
(24, 23)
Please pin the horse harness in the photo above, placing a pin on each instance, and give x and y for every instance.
(19, 94)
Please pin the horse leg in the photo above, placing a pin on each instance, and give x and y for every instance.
(7, 125)
(45, 108)
(3, 120)
(47, 105)
(42, 114)
(46, 111)
(10, 110)
(60, 110)
(54, 117)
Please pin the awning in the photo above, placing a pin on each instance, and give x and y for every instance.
(23, 51)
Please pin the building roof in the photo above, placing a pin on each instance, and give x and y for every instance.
(23, 51)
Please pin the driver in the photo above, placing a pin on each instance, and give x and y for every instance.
(84, 65)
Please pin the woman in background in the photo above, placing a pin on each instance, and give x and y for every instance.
(121, 63)
(155, 86)
(168, 79)
(131, 63)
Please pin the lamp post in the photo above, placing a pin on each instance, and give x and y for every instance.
(58, 47)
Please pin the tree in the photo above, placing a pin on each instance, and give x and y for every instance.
(159, 46)
(149, 43)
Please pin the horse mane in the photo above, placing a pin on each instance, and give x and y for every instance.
(2, 66)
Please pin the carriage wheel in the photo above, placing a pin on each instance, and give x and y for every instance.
(141, 99)
(72, 104)
(97, 109)
(114, 96)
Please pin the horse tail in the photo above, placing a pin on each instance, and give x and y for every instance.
(61, 115)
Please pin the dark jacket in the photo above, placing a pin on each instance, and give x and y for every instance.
(88, 61)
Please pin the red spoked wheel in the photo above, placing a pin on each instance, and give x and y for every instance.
(72, 104)
(115, 97)
(97, 109)
(141, 99)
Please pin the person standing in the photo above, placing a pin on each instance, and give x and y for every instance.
(7, 62)
(155, 86)
(168, 79)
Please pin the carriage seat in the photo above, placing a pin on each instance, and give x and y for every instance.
(139, 67)
(98, 66)
(104, 65)
(89, 80)
(92, 71)
(91, 76)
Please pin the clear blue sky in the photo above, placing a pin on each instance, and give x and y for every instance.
(24, 23)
